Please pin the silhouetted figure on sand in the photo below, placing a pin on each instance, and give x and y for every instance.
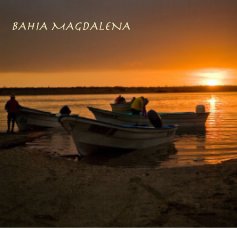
(12, 107)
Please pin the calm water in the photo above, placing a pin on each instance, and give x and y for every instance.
(217, 143)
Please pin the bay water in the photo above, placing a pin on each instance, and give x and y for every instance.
(214, 144)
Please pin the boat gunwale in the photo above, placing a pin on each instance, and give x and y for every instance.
(121, 127)
(160, 113)
(35, 111)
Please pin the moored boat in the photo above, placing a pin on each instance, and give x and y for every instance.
(91, 135)
(119, 117)
(182, 119)
(30, 119)
(185, 119)
(121, 107)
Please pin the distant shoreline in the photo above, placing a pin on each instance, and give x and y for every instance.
(113, 90)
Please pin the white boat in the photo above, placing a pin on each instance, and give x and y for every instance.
(92, 136)
(182, 119)
(30, 119)
(185, 119)
(122, 107)
(119, 117)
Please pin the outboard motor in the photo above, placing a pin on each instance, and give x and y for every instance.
(200, 109)
(155, 119)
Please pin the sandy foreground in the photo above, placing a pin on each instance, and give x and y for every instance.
(37, 189)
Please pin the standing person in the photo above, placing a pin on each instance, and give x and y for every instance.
(138, 106)
(12, 107)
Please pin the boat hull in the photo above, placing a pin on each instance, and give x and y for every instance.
(92, 136)
(185, 119)
(182, 119)
(123, 107)
(31, 119)
(119, 118)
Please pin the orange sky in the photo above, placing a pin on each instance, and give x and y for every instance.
(171, 42)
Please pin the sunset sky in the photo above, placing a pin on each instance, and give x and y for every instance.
(171, 43)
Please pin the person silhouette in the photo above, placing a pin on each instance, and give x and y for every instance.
(12, 107)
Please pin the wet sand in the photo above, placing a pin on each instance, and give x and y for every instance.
(8, 140)
(40, 190)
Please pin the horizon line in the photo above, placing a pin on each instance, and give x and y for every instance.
(57, 87)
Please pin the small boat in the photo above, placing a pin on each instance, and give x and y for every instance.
(92, 135)
(31, 119)
(119, 117)
(121, 107)
(182, 119)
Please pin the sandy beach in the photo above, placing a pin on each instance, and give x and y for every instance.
(38, 189)
(8, 140)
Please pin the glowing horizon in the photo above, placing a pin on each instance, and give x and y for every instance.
(208, 77)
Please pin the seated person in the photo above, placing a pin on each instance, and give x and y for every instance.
(138, 106)
(120, 100)
(65, 110)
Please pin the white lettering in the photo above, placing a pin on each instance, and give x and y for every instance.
(58, 28)
(101, 24)
(126, 26)
(78, 26)
(44, 26)
(22, 26)
(15, 26)
(94, 26)
(86, 25)
(70, 26)
(108, 26)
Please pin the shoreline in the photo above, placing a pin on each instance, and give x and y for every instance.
(40, 190)
(113, 90)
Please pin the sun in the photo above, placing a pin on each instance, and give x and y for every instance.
(212, 82)
(211, 77)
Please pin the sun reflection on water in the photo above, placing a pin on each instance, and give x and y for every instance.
(212, 120)
(212, 102)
